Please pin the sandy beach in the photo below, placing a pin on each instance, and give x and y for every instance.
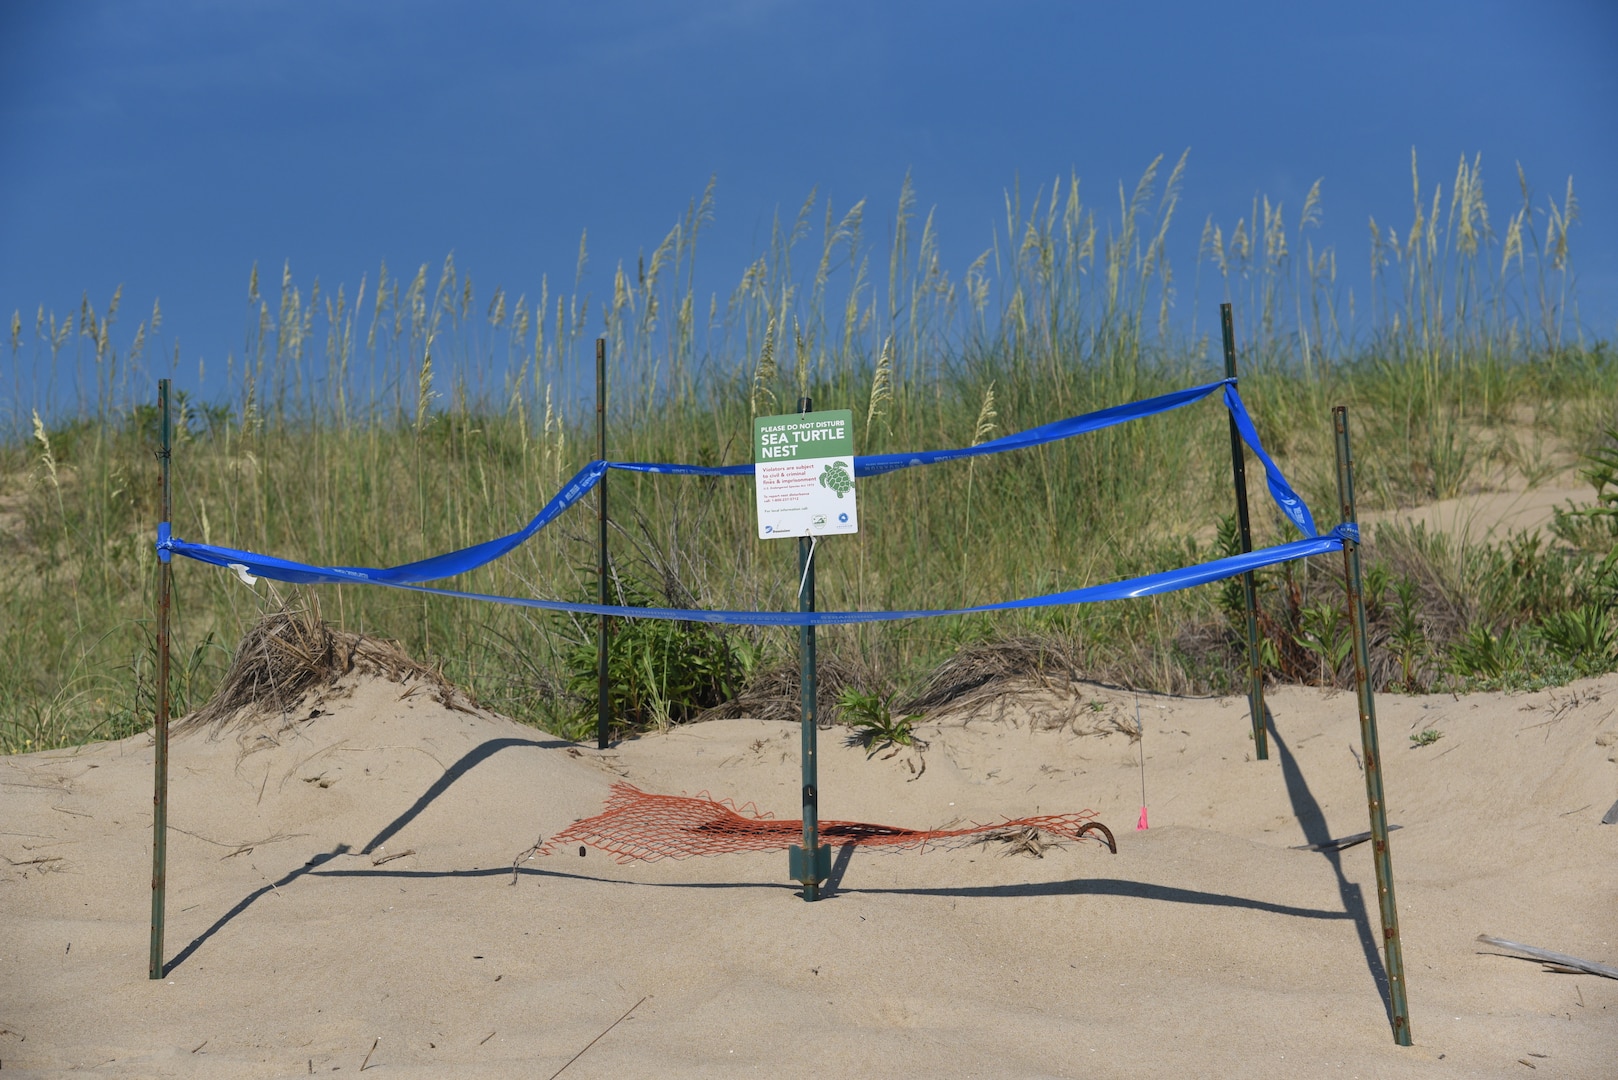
(342, 894)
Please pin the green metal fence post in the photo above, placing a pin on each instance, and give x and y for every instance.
(603, 707)
(160, 731)
(1238, 466)
(1393, 951)
(810, 865)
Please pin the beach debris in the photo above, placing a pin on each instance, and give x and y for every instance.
(1611, 816)
(595, 1040)
(524, 855)
(1554, 960)
(1021, 841)
(369, 1052)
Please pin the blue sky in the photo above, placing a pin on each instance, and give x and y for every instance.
(168, 146)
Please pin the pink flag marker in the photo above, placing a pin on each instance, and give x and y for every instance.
(1140, 739)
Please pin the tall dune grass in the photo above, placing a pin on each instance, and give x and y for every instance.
(408, 415)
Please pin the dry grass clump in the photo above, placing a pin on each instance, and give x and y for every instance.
(1045, 682)
(291, 653)
(1022, 840)
(773, 694)
(977, 673)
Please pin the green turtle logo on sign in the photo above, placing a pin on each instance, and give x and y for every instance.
(836, 477)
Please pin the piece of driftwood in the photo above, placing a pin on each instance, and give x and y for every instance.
(1340, 843)
(1612, 816)
(1555, 959)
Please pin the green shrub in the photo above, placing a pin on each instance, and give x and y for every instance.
(1480, 653)
(659, 672)
(1595, 527)
(873, 723)
(1584, 637)
(1326, 634)
(1409, 638)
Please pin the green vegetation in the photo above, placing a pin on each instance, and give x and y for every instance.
(394, 421)
(872, 723)
(1426, 738)
(658, 672)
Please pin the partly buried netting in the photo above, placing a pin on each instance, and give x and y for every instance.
(639, 826)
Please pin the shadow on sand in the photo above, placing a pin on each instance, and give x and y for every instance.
(468, 761)
(1313, 822)
(1307, 809)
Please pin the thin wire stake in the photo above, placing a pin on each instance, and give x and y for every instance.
(598, 1038)
(1140, 737)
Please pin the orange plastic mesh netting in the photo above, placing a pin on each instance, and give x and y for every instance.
(639, 826)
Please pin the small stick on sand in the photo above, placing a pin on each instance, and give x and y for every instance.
(1554, 958)
(598, 1038)
(389, 858)
(368, 1054)
(524, 856)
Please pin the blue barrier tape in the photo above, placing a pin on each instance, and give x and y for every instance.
(1291, 504)
(1132, 588)
(457, 562)
(877, 464)
(439, 566)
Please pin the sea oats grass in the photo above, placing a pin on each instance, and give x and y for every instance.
(414, 419)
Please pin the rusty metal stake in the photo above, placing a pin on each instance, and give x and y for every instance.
(1393, 952)
(1238, 467)
(160, 781)
(603, 706)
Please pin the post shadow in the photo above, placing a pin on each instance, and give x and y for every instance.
(1137, 890)
(248, 901)
(472, 758)
(845, 855)
(1307, 809)
(1313, 822)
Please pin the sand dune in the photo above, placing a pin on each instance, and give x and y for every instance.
(342, 894)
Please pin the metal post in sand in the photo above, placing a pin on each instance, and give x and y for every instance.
(809, 867)
(1238, 467)
(603, 708)
(160, 730)
(1393, 952)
